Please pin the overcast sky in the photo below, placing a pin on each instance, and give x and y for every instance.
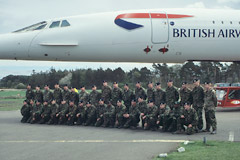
(16, 14)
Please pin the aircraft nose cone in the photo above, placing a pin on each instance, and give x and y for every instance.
(7, 46)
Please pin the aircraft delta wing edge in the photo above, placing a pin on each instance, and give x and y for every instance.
(151, 36)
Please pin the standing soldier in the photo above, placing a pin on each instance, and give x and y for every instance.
(142, 106)
(66, 93)
(140, 91)
(83, 95)
(74, 96)
(120, 111)
(47, 95)
(210, 104)
(109, 115)
(128, 96)
(90, 114)
(57, 94)
(159, 95)
(63, 108)
(25, 111)
(163, 116)
(81, 113)
(150, 118)
(117, 94)
(150, 92)
(38, 94)
(29, 93)
(188, 120)
(198, 101)
(71, 112)
(100, 111)
(45, 116)
(172, 94)
(54, 111)
(106, 92)
(185, 94)
(94, 96)
(36, 112)
(132, 117)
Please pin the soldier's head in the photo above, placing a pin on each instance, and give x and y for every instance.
(45, 103)
(207, 85)
(184, 84)
(196, 82)
(105, 83)
(25, 102)
(65, 87)
(54, 101)
(72, 89)
(187, 106)
(170, 83)
(119, 103)
(150, 84)
(56, 86)
(133, 102)
(63, 102)
(115, 84)
(94, 87)
(88, 104)
(37, 88)
(140, 99)
(31, 102)
(176, 104)
(162, 105)
(150, 103)
(71, 103)
(158, 85)
(126, 87)
(38, 103)
(138, 84)
(101, 101)
(29, 86)
(46, 87)
(81, 104)
(83, 88)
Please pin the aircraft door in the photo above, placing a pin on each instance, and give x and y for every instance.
(160, 27)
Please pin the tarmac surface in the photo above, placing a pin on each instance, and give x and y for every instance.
(33, 141)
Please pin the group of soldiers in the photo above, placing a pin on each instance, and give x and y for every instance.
(173, 110)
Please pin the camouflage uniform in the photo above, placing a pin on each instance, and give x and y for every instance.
(106, 93)
(150, 94)
(84, 96)
(54, 111)
(71, 112)
(117, 94)
(29, 95)
(36, 113)
(45, 116)
(47, 96)
(94, 97)
(151, 117)
(39, 96)
(186, 96)
(63, 109)
(172, 96)
(133, 118)
(81, 110)
(175, 114)
(120, 111)
(57, 95)
(66, 95)
(190, 117)
(128, 96)
(143, 107)
(159, 96)
(140, 92)
(100, 111)
(25, 111)
(74, 97)
(109, 116)
(164, 117)
(91, 115)
(198, 101)
(210, 104)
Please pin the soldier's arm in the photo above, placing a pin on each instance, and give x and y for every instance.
(215, 101)
(176, 95)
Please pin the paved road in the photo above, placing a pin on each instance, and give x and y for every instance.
(26, 142)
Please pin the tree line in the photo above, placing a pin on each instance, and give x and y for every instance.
(214, 72)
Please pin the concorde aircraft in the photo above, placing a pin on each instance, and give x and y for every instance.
(152, 36)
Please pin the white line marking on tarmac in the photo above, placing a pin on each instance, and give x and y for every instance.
(96, 141)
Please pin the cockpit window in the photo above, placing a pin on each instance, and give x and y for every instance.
(55, 24)
(37, 26)
(65, 23)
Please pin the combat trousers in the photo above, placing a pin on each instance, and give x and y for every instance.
(120, 120)
(210, 119)
(132, 122)
(80, 120)
(108, 120)
(151, 122)
(164, 122)
(188, 130)
(99, 122)
(90, 121)
(199, 110)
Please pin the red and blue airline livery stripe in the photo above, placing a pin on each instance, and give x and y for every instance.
(130, 26)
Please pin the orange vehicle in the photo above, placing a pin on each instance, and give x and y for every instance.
(228, 95)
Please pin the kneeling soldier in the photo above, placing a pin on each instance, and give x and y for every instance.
(163, 116)
(45, 116)
(71, 113)
(36, 112)
(132, 118)
(81, 113)
(25, 111)
(142, 106)
(109, 115)
(175, 114)
(90, 114)
(100, 111)
(150, 117)
(121, 109)
(63, 108)
(54, 111)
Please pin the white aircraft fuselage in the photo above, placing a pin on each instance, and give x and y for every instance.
(151, 36)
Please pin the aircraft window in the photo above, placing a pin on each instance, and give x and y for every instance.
(40, 27)
(55, 24)
(37, 26)
(65, 23)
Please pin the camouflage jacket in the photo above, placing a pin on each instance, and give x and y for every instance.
(198, 96)
(37, 109)
(186, 95)
(150, 94)
(210, 99)
(152, 112)
(83, 96)
(47, 96)
(109, 111)
(66, 95)
(74, 97)
(57, 95)
(176, 112)
(81, 111)
(164, 112)
(71, 110)
(46, 110)
(172, 95)
(159, 96)
(106, 93)
(100, 110)
(29, 94)
(94, 97)
(140, 92)
(120, 110)
(117, 94)
(90, 111)
(39, 96)
(54, 109)
(142, 106)
(63, 109)
(134, 112)
(128, 96)
(25, 110)
(190, 116)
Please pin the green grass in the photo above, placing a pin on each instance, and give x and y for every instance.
(213, 150)
(11, 99)
(12, 94)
